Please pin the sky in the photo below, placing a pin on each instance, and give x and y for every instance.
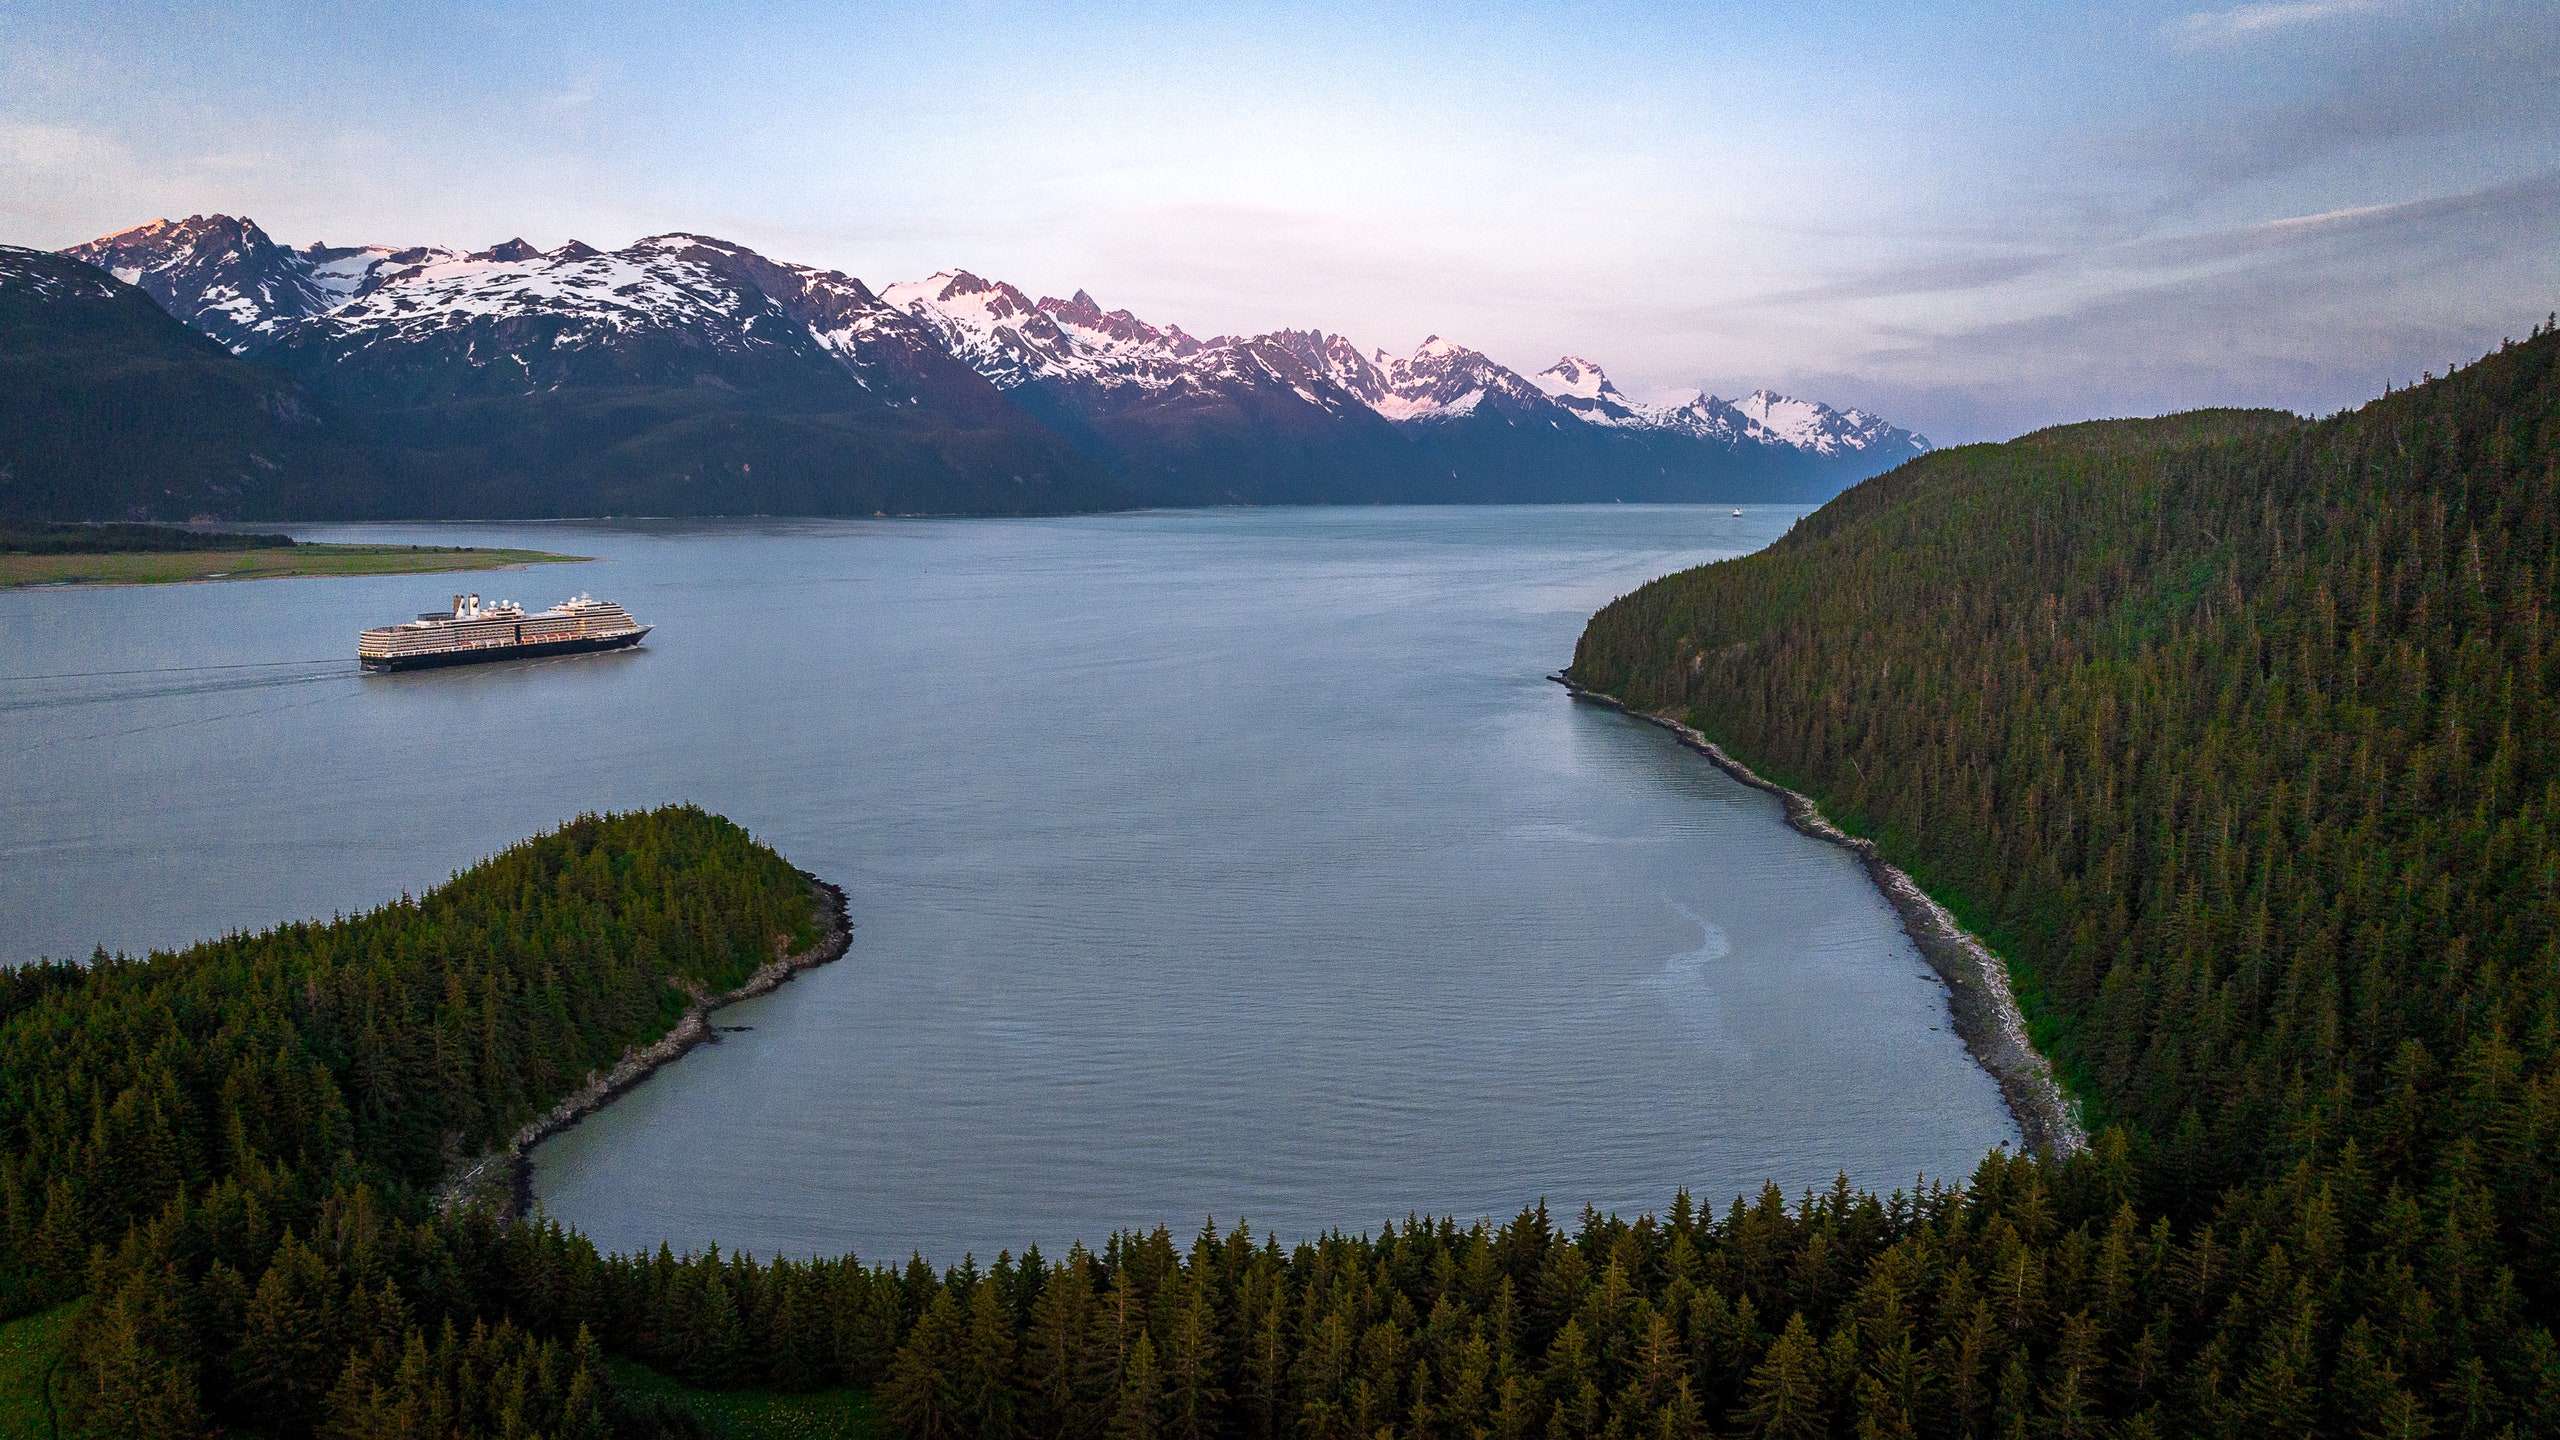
(1972, 219)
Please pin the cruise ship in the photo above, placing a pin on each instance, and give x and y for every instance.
(501, 630)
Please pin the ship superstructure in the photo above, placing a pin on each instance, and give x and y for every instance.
(499, 630)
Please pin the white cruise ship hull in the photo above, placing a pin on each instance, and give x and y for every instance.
(480, 654)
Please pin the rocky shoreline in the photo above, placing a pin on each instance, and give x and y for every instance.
(502, 1179)
(1985, 1009)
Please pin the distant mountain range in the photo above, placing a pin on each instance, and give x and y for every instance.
(687, 375)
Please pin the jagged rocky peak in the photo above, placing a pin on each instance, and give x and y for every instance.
(1769, 417)
(1118, 327)
(213, 239)
(1443, 380)
(1577, 377)
(958, 292)
(508, 252)
(1336, 359)
(219, 273)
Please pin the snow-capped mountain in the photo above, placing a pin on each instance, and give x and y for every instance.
(1763, 417)
(112, 409)
(1015, 342)
(1299, 414)
(1817, 429)
(1097, 362)
(1190, 421)
(222, 276)
(994, 329)
(525, 320)
(1442, 380)
(514, 321)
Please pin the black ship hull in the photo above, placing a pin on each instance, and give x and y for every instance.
(481, 655)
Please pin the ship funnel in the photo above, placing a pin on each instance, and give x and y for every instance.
(457, 607)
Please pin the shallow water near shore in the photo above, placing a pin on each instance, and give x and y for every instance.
(1237, 863)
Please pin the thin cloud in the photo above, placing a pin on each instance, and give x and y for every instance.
(2531, 201)
(2244, 22)
(1938, 277)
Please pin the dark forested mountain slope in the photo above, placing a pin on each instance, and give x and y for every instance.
(111, 409)
(664, 379)
(2236, 734)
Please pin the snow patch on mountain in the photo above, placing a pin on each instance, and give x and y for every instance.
(1444, 380)
(1575, 377)
(230, 280)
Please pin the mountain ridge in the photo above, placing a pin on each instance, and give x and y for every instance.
(594, 376)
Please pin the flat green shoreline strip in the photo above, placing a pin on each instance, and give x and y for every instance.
(174, 567)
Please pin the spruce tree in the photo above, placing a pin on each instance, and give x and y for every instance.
(291, 1349)
(1057, 1354)
(1786, 1389)
(921, 1397)
(1138, 1413)
(1194, 1399)
(988, 1401)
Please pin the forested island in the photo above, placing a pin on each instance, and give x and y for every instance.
(2232, 731)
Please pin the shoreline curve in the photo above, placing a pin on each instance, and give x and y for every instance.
(1984, 1008)
(502, 1179)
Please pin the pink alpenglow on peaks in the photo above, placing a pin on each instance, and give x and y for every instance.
(1295, 414)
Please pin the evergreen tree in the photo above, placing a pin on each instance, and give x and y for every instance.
(987, 1398)
(922, 1396)
(1786, 1389)
(291, 1348)
(1138, 1413)
(1194, 1399)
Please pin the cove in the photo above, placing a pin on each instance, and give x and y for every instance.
(1229, 862)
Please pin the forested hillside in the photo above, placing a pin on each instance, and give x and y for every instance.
(2236, 734)
(110, 409)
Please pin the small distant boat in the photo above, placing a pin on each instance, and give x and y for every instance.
(474, 632)
(1737, 514)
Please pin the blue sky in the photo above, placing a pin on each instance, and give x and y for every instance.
(1973, 219)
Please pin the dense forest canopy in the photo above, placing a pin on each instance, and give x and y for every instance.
(2236, 734)
(183, 1130)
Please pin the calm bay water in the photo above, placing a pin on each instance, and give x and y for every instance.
(1234, 862)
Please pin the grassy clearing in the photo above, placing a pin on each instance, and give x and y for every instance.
(169, 567)
(750, 1414)
(27, 1351)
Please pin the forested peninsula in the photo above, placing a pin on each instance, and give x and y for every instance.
(2235, 733)
(228, 1150)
